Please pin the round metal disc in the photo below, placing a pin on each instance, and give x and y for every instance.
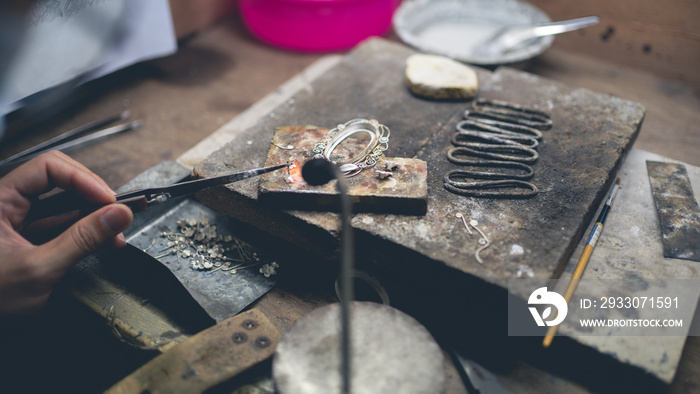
(454, 28)
(391, 353)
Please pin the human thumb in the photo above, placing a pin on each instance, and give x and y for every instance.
(86, 235)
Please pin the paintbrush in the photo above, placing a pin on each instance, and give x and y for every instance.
(587, 251)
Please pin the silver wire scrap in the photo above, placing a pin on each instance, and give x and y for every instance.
(483, 241)
(204, 249)
(509, 112)
(471, 182)
(496, 136)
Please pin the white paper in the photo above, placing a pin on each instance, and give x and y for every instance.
(79, 40)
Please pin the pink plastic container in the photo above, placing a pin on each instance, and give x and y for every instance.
(317, 25)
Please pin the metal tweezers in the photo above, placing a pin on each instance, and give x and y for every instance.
(70, 138)
(138, 200)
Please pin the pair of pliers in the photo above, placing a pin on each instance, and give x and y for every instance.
(138, 200)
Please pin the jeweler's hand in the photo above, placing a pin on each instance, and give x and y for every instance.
(28, 271)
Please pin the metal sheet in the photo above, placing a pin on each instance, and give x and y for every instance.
(154, 303)
(455, 28)
(221, 294)
(678, 210)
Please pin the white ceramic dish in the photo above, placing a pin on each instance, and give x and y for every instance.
(454, 28)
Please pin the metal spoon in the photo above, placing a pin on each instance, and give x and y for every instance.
(510, 38)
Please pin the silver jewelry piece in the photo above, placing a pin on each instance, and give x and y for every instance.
(483, 241)
(269, 269)
(288, 147)
(378, 143)
(381, 175)
(198, 242)
(460, 216)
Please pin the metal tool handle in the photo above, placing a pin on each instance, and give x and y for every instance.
(514, 37)
(548, 29)
(68, 202)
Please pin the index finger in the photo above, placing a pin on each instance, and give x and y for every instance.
(53, 169)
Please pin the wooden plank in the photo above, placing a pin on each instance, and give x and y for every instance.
(207, 359)
(133, 319)
(579, 157)
(659, 37)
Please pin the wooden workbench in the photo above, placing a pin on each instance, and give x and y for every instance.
(212, 79)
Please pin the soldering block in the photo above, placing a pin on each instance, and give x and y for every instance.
(439, 77)
(393, 185)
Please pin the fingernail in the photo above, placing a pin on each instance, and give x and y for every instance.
(121, 240)
(111, 192)
(115, 219)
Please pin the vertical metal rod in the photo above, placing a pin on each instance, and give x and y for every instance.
(347, 258)
(319, 171)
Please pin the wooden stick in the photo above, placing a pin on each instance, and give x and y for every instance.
(583, 261)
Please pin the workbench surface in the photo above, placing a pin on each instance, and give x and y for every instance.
(214, 77)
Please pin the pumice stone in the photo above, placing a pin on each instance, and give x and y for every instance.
(439, 77)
